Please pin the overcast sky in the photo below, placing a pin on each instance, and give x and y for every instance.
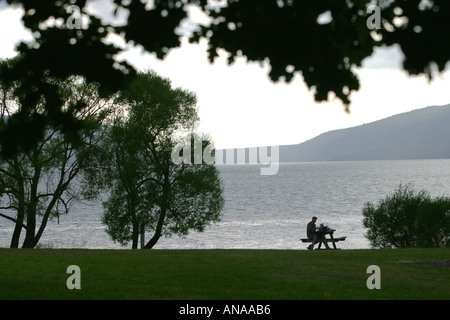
(240, 107)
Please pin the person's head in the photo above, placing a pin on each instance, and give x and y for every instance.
(314, 219)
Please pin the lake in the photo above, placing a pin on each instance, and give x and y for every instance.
(271, 212)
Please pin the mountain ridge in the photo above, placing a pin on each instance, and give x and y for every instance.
(418, 134)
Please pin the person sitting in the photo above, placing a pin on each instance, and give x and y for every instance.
(313, 235)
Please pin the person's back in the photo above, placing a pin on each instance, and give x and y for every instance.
(310, 228)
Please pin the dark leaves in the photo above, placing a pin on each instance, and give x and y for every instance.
(290, 35)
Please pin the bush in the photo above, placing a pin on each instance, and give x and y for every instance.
(408, 219)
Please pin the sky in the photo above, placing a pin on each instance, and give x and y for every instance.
(239, 106)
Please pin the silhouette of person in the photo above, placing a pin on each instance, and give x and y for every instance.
(313, 236)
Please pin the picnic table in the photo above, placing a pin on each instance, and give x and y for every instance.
(330, 239)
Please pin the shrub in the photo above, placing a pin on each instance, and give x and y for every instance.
(408, 219)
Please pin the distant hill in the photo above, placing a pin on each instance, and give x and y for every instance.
(418, 134)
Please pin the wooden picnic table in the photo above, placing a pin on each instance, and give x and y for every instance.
(330, 239)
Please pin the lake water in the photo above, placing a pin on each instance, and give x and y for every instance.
(271, 212)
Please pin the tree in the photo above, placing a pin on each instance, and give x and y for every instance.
(148, 191)
(432, 223)
(289, 34)
(115, 167)
(37, 184)
(188, 196)
(408, 219)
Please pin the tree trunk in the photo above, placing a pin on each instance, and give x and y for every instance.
(31, 229)
(21, 201)
(16, 235)
(29, 241)
(18, 228)
(162, 216)
(135, 238)
(134, 221)
(158, 230)
(142, 236)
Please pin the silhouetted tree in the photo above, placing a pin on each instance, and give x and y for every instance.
(407, 218)
(148, 191)
(288, 34)
(37, 184)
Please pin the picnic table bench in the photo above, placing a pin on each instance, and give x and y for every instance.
(331, 239)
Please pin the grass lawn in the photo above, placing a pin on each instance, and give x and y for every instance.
(223, 274)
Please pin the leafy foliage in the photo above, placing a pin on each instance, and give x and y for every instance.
(288, 34)
(148, 191)
(408, 219)
(37, 184)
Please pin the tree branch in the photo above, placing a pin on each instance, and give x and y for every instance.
(12, 219)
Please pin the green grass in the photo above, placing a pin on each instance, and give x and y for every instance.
(222, 274)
